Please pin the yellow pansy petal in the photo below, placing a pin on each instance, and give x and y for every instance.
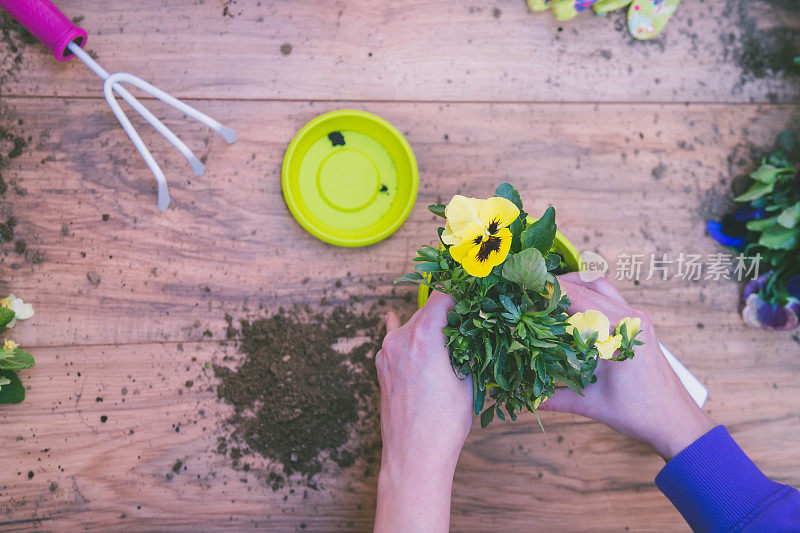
(463, 215)
(587, 323)
(607, 347)
(448, 237)
(498, 212)
(599, 322)
(470, 234)
(480, 259)
(479, 269)
(460, 250)
(633, 326)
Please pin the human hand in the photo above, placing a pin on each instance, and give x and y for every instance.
(640, 397)
(426, 413)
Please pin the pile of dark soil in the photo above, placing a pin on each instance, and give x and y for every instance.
(304, 392)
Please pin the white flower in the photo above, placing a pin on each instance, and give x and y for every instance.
(22, 311)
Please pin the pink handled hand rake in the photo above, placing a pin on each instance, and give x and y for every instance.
(65, 40)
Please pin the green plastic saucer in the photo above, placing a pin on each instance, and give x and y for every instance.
(349, 178)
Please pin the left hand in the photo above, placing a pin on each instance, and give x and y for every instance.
(426, 414)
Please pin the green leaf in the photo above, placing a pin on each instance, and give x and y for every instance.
(509, 305)
(428, 253)
(540, 234)
(487, 416)
(766, 173)
(19, 359)
(555, 298)
(14, 392)
(757, 190)
(413, 277)
(462, 307)
(507, 191)
(515, 346)
(428, 267)
(552, 261)
(790, 216)
(779, 238)
(566, 381)
(437, 209)
(6, 316)
(762, 224)
(480, 395)
(501, 381)
(526, 269)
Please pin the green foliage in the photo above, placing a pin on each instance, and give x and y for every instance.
(11, 359)
(508, 330)
(6, 316)
(15, 359)
(13, 391)
(775, 192)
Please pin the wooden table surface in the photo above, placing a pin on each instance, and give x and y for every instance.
(636, 144)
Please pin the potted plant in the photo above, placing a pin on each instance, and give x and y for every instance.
(766, 228)
(509, 329)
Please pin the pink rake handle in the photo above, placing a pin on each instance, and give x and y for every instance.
(48, 24)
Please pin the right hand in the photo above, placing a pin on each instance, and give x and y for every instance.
(640, 397)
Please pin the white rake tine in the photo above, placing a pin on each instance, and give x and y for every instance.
(197, 166)
(163, 192)
(226, 133)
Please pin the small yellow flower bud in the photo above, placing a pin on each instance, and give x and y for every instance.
(10, 345)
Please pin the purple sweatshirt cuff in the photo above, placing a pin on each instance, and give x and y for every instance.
(713, 483)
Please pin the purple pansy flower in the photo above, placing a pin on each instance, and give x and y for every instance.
(793, 286)
(760, 314)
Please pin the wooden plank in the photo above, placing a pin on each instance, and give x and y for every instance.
(420, 50)
(577, 476)
(230, 242)
(230, 245)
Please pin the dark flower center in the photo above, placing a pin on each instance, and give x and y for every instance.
(493, 227)
(492, 244)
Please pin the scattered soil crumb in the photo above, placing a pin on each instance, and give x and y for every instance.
(93, 278)
(761, 52)
(304, 392)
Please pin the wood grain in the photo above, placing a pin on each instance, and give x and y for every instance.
(417, 50)
(230, 246)
(636, 144)
(230, 242)
(96, 475)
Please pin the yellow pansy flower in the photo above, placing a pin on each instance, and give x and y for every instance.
(10, 345)
(606, 348)
(477, 232)
(592, 321)
(633, 326)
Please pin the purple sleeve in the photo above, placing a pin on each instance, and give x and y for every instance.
(716, 487)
